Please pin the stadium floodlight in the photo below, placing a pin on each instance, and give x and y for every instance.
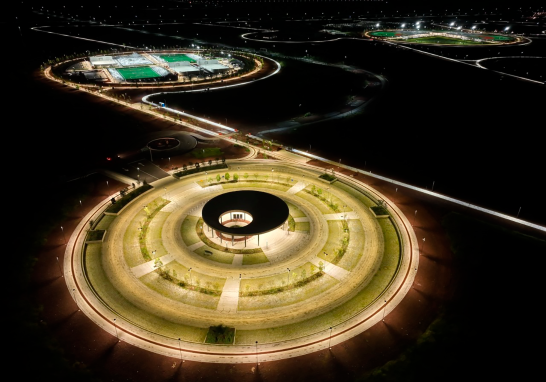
(403, 25)
(506, 28)
(377, 24)
(451, 24)
(474, 27)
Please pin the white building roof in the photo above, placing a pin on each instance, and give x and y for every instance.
(102, 60)
(184, 69)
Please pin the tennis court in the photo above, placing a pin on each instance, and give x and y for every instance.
(175, 57)
(137, 73)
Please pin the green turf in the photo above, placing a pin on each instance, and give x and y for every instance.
(137, 73)
(443, 41)
(255, 258)
(113, 298)
(383, 34)
(188, 230)
(176, 57)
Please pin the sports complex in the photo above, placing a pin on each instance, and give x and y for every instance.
(144, 67)
(443, 37)
(276, 259)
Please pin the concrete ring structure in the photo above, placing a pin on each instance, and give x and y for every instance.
(150, 280)
(268, 212)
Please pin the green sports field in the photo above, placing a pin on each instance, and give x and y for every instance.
(137, 73)
(443, 41)
(176, 57)
(384, 34)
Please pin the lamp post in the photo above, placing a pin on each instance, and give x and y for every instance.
(257, 361)
(64, 237)
(414, 215)
(385, 307)
(423, 249)
(330, 339)
(60, 269)
(116, 328)
(180, 349)
(190, 276)
(288, 275)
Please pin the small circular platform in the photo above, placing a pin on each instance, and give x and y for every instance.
(268, 212)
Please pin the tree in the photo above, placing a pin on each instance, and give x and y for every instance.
(184, 167)
(158, 263)
(319, 191)
(236, 177)
(217, 160)
(226, 176)
(313, 268)
(210, 179)
(190, 164)
(313, 188)
(223, 160)
(303, 274)
(210, 162)
(245, 175)
(321, 266)
(218, 177)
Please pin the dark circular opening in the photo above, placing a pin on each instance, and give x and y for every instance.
(163, 144)
(254, 213)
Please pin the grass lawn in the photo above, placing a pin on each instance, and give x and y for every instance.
(443, 40)
(335, 234)
(104, 222)
(255, 258)
(368, 202)
(207, 152)
(269, 185)
(180, 272)
(303, 226)
(356, 246)
(131, 248)
(174, 292)
(323, 208)
(217, 256)
(289, 297)
(365, 297)
(110, 295)
(153, 235)
(295, 212)
(189, 236)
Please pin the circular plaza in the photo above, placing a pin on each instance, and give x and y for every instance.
(268, 260)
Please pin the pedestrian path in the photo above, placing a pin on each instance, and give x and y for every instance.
(296, 188)
(193, 247)
(332, 270)
(341, 216)
(230, 296)
(144, 269)
(302, 219)
(237, 260)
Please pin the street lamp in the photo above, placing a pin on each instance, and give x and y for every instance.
(330, 339)
(423, 249)
(257, 361)
(288, 275)
(116, 328)
(60, 269)
(190, 276)
(385, 307)
(414, 215)
(180, 349)
(64, 237)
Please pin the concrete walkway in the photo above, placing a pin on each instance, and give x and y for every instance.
(331, 269)
(144, 269)
(230, 296)
(296, 188)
